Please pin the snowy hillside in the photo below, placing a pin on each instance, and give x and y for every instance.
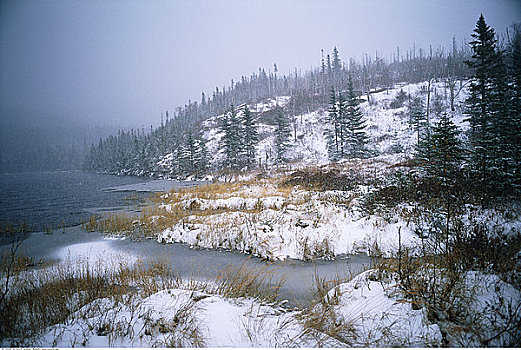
(389, 130)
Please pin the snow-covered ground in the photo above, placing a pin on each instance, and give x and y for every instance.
(184, 318)
(278, 221)
(92, 253)
(388, 128)
(277, 224)
(368, 311)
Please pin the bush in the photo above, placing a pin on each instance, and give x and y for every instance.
(317, 179)
(399, 100)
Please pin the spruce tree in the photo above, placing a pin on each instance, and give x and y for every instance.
(282, 135)
(193, 155)
(336, 63)
(189, 152)
(343, 126)
(356, 137)
(504, 125)
(332, 131)
(417, 118)
(446, 154)
(514, 71)
(250, 137)
(231, 142)
(200, 154)
(480, 104)
(336, 66)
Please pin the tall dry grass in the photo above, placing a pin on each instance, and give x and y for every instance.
(70, 292)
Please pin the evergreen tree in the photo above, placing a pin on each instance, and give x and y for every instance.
(514, 71)
(189, 154)
(250, 137)
(336, 63)
(446, 154)
(195, 145)
(482, 102)
(356, 137)
(343, 126)
(504, 124)
(282, 135)
(417, 118)
(332, 132)
(336, 66)
(399, 100)
(231, 142)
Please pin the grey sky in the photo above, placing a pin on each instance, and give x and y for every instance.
(124, 62)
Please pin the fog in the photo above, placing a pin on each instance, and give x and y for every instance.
(120, 64)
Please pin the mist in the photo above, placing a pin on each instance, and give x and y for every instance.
(120, 64)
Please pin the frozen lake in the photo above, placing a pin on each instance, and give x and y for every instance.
(40, 199)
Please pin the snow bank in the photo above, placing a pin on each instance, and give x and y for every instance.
(375, 312)
(182, 318)
(301, 225)
(379, 317)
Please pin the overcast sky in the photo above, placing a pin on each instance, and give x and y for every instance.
(124, 62)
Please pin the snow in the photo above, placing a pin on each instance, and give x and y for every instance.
(263, 220)
(492, 306)
(177, 317)
(380, 318)
(388, 128)
(92, 253)
(301, 225)
(371, 305)
(163, 185)
(319, 226)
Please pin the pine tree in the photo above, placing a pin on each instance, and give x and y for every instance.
(250, 137)
(356, 137)
(282, 135)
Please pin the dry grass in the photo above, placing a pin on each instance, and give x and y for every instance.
(10, 230)
(243, 280)
(320, 314)
(69, 293)
(36, 299)
(184, 206)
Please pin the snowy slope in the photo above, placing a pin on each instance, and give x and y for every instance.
(388, 128)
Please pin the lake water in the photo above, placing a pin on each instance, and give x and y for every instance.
(51, 199)
(41, 199)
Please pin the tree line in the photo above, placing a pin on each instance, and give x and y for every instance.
(491, 157)
(492, 107)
